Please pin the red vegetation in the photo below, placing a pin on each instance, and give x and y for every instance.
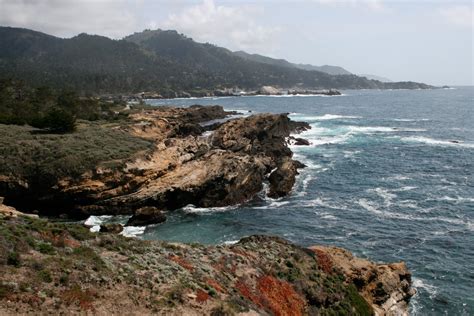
(324, 262)
(272, 294)
(76, 295)
(280, 297)
(246, 292)
(215, 285)
(61, 240)
(182, 262)
(201, 296)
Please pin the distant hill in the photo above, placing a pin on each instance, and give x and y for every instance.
(161, 61)
(332, 70)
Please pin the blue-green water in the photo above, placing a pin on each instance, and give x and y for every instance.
(384, 180)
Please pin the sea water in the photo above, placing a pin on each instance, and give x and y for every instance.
(390, 176)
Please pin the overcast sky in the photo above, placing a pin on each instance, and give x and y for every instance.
(421, 40)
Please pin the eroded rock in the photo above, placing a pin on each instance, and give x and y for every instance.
(112, 228)
(146, 216)
(387, 287)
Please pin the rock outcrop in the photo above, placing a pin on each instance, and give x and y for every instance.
(226, 165)
(268, 90)
(387, 287)
(54, 268)
(145, 216)
(112, 228)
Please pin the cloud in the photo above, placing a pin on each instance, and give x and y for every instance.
(234, 27)
(371, 4)
(67, 18)
(461, 15)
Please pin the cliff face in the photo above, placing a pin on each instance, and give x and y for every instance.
(217, 164)
(52, 268)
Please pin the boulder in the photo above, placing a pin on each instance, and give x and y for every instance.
(301, 142)
(146, 216)
(111, 228)
(283, 178)
(268, 90)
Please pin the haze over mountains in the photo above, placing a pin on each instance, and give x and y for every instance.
(162, 61)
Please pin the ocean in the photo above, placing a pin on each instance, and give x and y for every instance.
(390, 177)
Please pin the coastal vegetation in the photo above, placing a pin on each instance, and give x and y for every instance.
(63, 268)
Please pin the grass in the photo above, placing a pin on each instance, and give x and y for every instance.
(44, 158)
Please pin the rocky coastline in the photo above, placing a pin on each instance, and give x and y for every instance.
(203, 156)
(198, 156)
(228, 92)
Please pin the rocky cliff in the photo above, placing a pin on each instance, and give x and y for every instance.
(53, 268)
(197, 157)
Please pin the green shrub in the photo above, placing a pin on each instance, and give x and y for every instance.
(45, 276)
(45, 248)
(13, 259)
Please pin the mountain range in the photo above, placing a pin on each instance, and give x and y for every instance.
(157, 60)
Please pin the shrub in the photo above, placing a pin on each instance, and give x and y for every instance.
(56, 121)
(45, 276)
(45, 248)
(13, 259)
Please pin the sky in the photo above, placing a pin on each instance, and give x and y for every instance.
(428, 41)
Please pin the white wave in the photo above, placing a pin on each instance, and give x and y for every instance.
(384, 194)
(132, 231)
(410, 120)
(303, 179)
(318, 135)
(405, 188)
(320, 202)
(382, 129)
(94, 222)
(420, 284)
(373, 208)
(437, 142)
(306, 182)
(194, 209)
(230, 242)
(369, 206)
(325, 117)
(328, 216)
(297, 95)
(457, 199)
(398, 177)
(408, 204)
(330, 140)
(350, 154)
(273, 204)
